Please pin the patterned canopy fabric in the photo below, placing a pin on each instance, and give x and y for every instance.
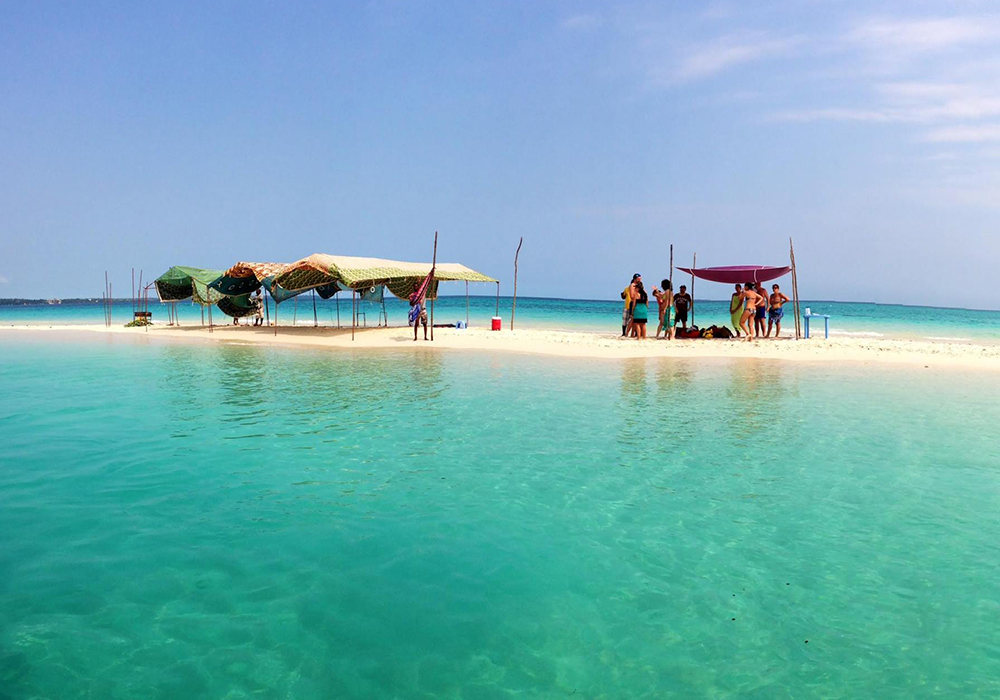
(179, 283)
(402, 278)
(245, 277)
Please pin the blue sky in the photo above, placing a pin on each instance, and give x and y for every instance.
(146, 135)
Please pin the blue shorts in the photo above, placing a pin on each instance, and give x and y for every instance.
(776, 314)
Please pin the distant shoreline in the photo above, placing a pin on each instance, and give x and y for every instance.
(570, 344)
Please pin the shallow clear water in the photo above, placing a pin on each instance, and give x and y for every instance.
(223, 521)
(847, 318)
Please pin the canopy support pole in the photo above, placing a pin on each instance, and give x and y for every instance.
(354, 313)
(275, 317)
(295, 311)
(513, 308)
(466, 305)
(315, 319)
(671, 278)
(202, 314)
(433, 268)
(694, 266)
(498, 299)
(210, 319)
(795, 289)
(267, 310)
(338, 309)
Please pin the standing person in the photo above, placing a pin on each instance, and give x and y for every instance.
(418, 314)
(640, 311)
(761, 314)
(627, 307)
(750, 310)
(777, 312)
(665, 299)
(736, 305)
(258, 303)
(682, 302)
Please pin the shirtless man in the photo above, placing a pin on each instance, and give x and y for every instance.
(752, 299)
(760, 317)
(665, 299)
(776, 313)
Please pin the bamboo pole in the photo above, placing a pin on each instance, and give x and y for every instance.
(513, 308)
(315, 319)
(466, 304)
(795, 289)
(354, 315)
(694, 264)
(671, 278)
(433, 290)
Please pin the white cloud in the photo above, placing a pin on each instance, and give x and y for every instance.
(919, 35)
(975, 133)
(727, 52)
(582, 22)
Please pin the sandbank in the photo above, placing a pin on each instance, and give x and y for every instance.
(567, 344)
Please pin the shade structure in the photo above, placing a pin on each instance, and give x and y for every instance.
(183, 282)
(737, 274)
(245, 277)
(357, 273)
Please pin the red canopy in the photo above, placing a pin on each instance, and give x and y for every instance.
(737, 273)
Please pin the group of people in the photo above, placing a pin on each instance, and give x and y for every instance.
(752, 311)
(750, 306)
(673, 308)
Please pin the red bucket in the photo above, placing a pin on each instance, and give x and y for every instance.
(496, 323)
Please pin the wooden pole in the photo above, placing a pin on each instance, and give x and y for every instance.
(498, 299)
(315, 319)
(338, 310)
(275, 317)
(210, 318)
(694, 264)
(671, 278)
(202, 314)
(466, 304)
(267, 309)
(513, 308)
(795, 289)
(354, 315)
(295, 311)
(434, 261)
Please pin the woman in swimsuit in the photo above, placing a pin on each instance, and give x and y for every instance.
(665, 299)
(640, 312)
(777, 311)
(736, 306)
(749, 310)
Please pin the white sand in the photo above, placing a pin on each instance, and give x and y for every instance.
(570, 344)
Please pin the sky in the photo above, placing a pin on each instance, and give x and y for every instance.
(152, 134)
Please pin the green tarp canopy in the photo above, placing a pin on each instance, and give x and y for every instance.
(182, 282)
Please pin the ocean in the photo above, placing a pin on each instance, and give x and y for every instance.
(847, 319)
(223, 521)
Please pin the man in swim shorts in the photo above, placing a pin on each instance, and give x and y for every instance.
(665, 299)
(777, 311)
(682, 302)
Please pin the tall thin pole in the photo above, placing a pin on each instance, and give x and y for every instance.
(107, 296)
(354, 315)
(267, 310)
(433, 290)
(295, 311)
(498, 299)
(466, 304)
(275, 317)
(694, 264)
(795, 289)
(671, 278)
(338, 310)
(513, 308)
(210, 318)
(315, 319)
(133, 292)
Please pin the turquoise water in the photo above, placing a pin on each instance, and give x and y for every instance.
(223, 521)
(848, 318)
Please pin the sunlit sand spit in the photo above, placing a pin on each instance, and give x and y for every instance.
(569, 344)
